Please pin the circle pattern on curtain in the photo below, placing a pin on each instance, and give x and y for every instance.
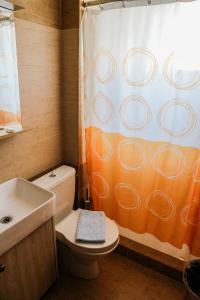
(139, 67)
(101, 146)
(175, 76)
(100, 186)
(104, 66)
(102, 107)
(160, 205)
(169, 161)
(131, 154)
(173, 108)
(137, 104)
(127, 196)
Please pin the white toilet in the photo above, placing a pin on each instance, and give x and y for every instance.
(80, 259)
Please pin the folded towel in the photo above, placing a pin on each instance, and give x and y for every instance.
(91, 227)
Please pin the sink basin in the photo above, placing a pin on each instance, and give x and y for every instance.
(23, 208)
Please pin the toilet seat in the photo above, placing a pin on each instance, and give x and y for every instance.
(66, 233)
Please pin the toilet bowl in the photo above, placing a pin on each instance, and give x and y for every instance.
(83, 257)
(79, 259)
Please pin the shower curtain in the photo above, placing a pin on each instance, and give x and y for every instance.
(10, 116)
(142, 121)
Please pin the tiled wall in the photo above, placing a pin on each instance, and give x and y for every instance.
(38, 45)
(70, 80)
(48, 61)
(70, 91)
(70, 94)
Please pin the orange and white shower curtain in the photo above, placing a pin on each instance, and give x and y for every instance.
(142, 120)
(9, 87)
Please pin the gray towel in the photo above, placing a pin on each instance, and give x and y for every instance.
(91, 227)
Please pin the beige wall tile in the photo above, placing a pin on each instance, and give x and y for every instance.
(6, 160)
(30, 153)
(45, 12)
(70, 95)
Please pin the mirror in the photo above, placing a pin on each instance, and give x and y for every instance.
(10, 116)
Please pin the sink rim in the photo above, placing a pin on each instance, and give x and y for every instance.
(47, 207)
(44, 203)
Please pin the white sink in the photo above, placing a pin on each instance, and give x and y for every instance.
(28, 205)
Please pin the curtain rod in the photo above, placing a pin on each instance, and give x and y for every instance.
(87, 3)
(101, 2)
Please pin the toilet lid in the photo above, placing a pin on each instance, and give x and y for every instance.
(66, 232)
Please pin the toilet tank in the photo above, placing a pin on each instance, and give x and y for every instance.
(61, 181)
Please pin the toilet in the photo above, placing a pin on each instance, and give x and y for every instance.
(79, 259)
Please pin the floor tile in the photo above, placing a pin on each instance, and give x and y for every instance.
(119, 279)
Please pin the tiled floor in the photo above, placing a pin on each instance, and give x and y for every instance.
(120, 279)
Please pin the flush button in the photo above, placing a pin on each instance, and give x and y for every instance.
(52, 175)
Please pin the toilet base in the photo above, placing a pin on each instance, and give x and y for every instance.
(83, 269)
(79, 265)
